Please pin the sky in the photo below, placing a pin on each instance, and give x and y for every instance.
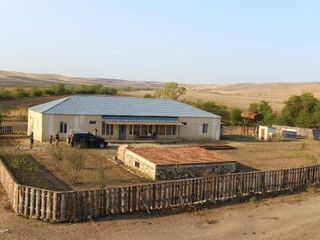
(208, 42)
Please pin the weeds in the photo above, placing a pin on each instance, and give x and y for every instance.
(101, 177)
(77, 159)
(57, 155)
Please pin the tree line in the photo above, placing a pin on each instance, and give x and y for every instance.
(55, 89)
(298, 111)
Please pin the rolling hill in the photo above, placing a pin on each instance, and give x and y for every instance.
(20, 79)
(231, 95)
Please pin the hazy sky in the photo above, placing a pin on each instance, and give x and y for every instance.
(219, 41)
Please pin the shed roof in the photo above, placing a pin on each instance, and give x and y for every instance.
(120, 106)
(183, 155)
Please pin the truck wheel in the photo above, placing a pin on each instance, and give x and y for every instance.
(78, 145)
(102, 145)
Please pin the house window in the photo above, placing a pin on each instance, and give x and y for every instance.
(136, 164)
(144, 130)
(136, 130)
(92, 122)
(168, 130)
(131, 127)
(174, 130)
(63, 127)
(107, 129)
(161, 130)
(205, 128)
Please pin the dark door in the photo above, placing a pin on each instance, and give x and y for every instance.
(262, 134)
(122, 132)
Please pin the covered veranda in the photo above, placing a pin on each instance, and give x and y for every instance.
(140, 128)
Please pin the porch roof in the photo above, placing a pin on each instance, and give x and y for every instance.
(142, 120)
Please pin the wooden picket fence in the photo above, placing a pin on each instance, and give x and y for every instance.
(13, 128)
(71, 206)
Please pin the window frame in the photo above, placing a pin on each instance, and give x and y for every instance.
(205, 128)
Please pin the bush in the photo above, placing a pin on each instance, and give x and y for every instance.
(57, 155)
(20, 93)
(36, 92)
(77, 159)
(5, 94)
(101, 177)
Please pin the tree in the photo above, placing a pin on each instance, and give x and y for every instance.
(171, 90)
(57, 155)
(235, 115)
(301, 111)
(212, 107)
(148, 95)
(20, 93)
(60, 89)
(36, 92)
(253, 107)
(77, 159)
(266, 110)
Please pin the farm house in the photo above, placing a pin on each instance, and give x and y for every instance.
(175, 162)
(123, 119)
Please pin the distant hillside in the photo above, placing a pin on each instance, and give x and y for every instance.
(232, 95)
(15, 79)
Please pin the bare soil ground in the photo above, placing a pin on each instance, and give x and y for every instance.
(291, 217)
(116, 174)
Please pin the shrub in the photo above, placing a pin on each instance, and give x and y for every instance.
(36, 92)
(20, 93)
(57, 155)
(101, 177)
(77, 159)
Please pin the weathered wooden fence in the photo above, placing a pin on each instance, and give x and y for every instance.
(13, 128)
(81, 205)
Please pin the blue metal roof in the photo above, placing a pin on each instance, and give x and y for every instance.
(120, 106)
(140, 119)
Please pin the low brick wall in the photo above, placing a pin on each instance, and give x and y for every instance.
(193, 170)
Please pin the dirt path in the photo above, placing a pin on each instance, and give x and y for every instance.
(288, 217)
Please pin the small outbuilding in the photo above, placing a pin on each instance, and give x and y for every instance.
(175, 162)
(266, 133)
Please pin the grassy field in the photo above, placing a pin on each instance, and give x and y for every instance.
(241, 95)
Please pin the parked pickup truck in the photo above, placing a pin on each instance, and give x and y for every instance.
(86, 140)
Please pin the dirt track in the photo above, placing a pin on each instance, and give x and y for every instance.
(288, 217)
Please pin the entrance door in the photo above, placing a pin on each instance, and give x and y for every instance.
(263, 134)
(122, 132)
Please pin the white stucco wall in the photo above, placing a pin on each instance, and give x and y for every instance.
(192, 131)
(75, 123)
(44, 125)
(35, 124)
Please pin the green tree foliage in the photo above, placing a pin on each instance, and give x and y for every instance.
(60, 89)
(36, 92)
(235, 115)
(148, 95)
(263, 107)
(301, 111)
(253, 107)
(20, 93)
(269, 117)
(212, 107)
(5, 94)
(171, 90)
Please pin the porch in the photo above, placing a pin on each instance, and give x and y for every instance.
(140, 129)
